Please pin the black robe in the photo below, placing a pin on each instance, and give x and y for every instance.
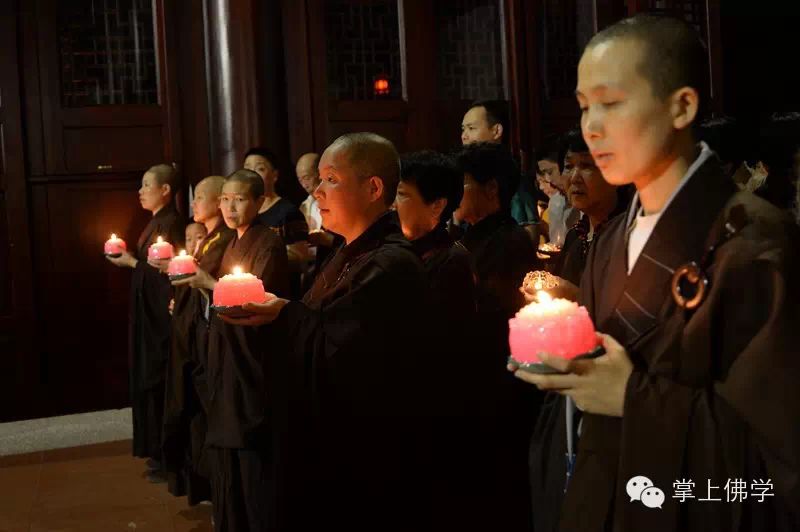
(714, 394)
(451, 411)
(150, 334)
(182, 442)
(353, 441)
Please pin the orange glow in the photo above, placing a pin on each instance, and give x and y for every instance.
(381, 85)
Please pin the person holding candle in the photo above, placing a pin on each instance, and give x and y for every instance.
(181, 479)
(597, 200)
(357, 346)
(185, 424)
(239, 368)
(696, 292)
(149, 316)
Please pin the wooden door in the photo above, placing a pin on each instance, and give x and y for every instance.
(100, 102)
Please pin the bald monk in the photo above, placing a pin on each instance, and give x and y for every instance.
(239, 369)
(149, 317)
(320, 241)
(184, 418)
(355, 344)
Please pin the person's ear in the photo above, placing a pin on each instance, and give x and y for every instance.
(166, 190)
(498, 131)
(437, 207)
(684, 106)
(375, 188)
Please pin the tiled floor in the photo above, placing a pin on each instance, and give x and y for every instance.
(92, 488)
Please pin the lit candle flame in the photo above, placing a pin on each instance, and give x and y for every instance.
(160, 240)
(538, 285)
(183, 253)
(113, 236)
(237, 270)
(544, 297)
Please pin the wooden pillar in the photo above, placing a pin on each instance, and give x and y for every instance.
(244, 76)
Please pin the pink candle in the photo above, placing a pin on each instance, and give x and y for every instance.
(238, 288)
(160, 250)
(114, 246)
(183, 264)
(554, 326)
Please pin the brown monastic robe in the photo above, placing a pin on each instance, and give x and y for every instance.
(182, 405)
(714, 394)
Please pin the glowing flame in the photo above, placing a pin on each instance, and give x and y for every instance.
(160, 240)
(237, 270)
(183, 253)
(544, 297)
(113, 236)
(538, 285)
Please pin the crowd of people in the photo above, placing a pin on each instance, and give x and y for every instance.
(373, 391)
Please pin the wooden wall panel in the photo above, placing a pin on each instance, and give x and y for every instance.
(83, 299)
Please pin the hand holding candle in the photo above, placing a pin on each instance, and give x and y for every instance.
(238, 288)
(554, 326)
(596, 385)
(160, 250)
(114, 247)
(181, 266)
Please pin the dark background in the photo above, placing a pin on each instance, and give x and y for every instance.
(291, 75)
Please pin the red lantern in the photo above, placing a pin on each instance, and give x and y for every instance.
(381, 85)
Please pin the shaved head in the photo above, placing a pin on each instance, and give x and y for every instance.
(307, 170)
(255, 185)
(165, 174)
(308, 161)
(371, 155)
(211, 185)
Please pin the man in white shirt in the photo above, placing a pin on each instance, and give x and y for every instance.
(308, 176)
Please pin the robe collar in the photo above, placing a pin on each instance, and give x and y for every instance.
(435, 240)
(486, 227)
(156, 225)
(211, 238)
(386, 226)
(632, 305)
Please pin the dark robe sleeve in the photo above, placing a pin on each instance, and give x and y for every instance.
(271, 265)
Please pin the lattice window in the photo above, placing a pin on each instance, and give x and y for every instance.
(107, 52)
(470, 54)
(363, 44)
